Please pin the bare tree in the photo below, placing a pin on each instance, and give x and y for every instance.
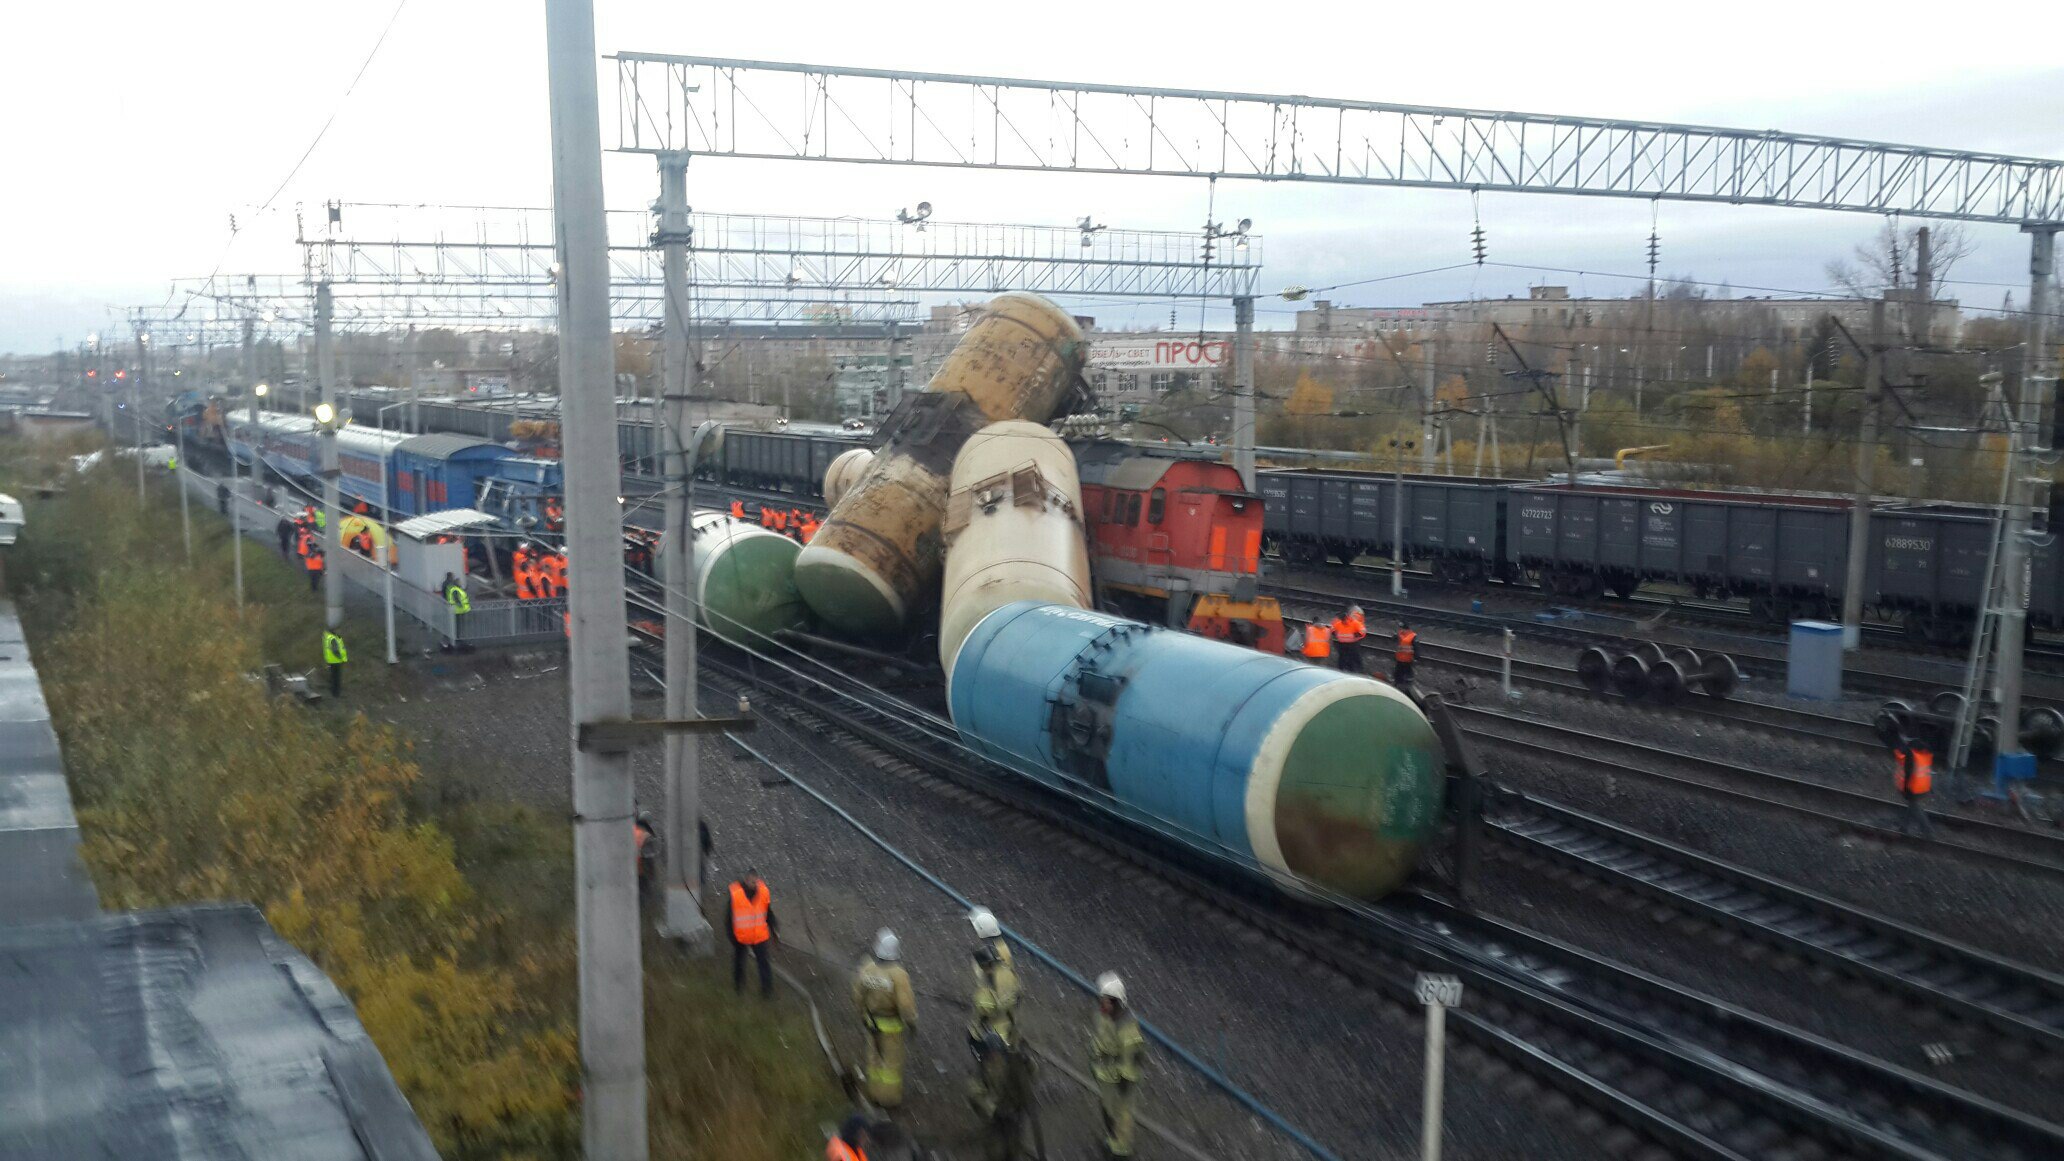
(1888, 262)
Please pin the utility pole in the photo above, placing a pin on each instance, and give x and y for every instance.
(1429, 436)
(1397, 520)
(136, 407)
(1866, 460)
(612, 1028)
(326, 414)
(236, 507)
(2028, 447)
(682, 918)
(1806, 414)
(1243, 389)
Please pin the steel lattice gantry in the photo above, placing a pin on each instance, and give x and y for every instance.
(763, 109)
(857, 261)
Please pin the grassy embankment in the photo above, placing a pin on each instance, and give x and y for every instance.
(446, 917)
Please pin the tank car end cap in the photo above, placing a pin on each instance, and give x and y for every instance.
(846, 594)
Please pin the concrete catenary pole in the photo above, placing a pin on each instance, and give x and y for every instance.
(136, 406)
(236, 507)
(1866, 460)
(1243, 389)
(682, 918)
(333, 528)
(2029, 446)
(1429, 434)
(612, 1030)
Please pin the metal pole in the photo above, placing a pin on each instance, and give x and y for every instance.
(387, 550)
(136, 410)
(333, 530)
(682, 917)
(1430, 1112)
(1505, 668)
(179, 477)
(612, 1032)
(1429, 436)
(1397, 521)
(236, 508)
(1806, 415)
(1243, 390)
(2028, 446)
(1859, 506)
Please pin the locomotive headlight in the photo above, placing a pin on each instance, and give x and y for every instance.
(325, 414)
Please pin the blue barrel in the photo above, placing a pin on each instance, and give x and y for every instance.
(1306, 771)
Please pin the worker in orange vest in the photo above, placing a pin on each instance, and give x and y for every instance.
(362, 543)
(555, 513)
(520, 557)
(1407, 653)
(1913, 772)
(795, 522)
(749, 917)
(780, 521)
(1318, 644)
(737, 509)
(315, 567)
(1348, 631)
(766, 517)
(555, 574)
(851, 1141)
(810, 526)
(525, 574)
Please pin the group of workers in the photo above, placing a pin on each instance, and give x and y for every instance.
(540, 573)
(1001, 1089)
(1338, 644)
(795, 523)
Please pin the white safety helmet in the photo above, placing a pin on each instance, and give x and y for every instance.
(887, 948)
(984, 922)
(1110, 985)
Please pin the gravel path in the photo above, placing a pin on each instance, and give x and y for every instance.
(1333, 1060)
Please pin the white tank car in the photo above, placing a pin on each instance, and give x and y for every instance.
(1013, 529)
(844, 472)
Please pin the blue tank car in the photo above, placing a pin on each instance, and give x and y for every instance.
(1306, 772)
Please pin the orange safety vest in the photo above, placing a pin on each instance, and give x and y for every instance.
(1920, 779)
(554, 512)
(302, 542)
(766, 517)
(526, 583)
(555, 572)
(1318, 642)
(780, 520)
(737, 510)
(837, 1150)
(1407, 639)
(810, 527)
(315, 561)
(749, 914)
(1348, 630)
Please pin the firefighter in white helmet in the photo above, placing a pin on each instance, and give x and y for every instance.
(994, 1002)
(1116, 1051)
(888, 1009)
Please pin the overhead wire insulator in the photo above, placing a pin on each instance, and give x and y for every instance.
(1476, 244)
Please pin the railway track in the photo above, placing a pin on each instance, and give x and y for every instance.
(2018, 848)
(1682, 1070)
(1967, 983)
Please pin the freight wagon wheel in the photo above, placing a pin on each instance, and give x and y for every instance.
(1651, 652)
(1891, 721)
(1721, 675)
(2042, 731)
(1947, 702)
(1594, 669)
(1688, 658)
(1985, 737)
(1630, 676)
(1666, 682)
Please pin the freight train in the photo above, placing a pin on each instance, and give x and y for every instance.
(1786, 555)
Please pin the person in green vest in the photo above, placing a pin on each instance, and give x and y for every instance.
(455, 596)
(334, 655)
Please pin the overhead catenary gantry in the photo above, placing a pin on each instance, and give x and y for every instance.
(765, 109)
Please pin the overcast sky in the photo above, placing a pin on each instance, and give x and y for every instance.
(133, 129)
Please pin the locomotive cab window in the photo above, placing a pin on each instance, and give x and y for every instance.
(1158, 506)
(1132, 506)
